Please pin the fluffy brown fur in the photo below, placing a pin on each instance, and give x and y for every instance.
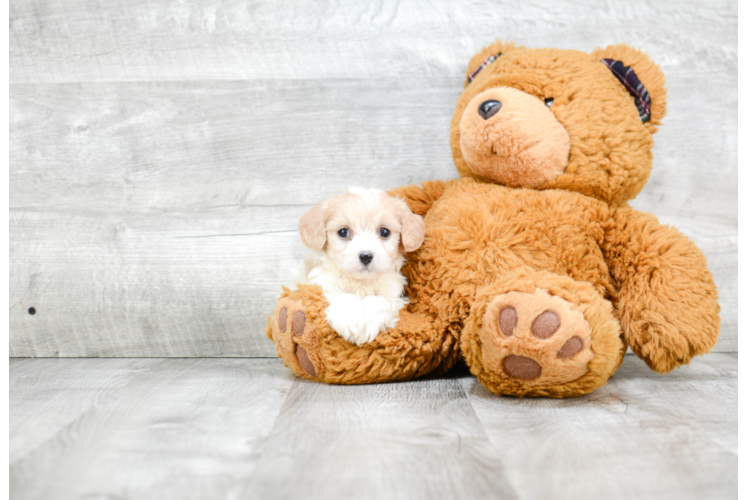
(533, 268)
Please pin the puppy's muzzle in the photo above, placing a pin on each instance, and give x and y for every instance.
(365, 258)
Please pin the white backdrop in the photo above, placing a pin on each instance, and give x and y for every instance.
(161, 153)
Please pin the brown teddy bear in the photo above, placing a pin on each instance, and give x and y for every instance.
(533, 269)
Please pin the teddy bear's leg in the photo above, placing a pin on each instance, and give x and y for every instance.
(535, 333)
(417, 345)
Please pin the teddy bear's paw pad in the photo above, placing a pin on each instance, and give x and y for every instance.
(295, 338)
(537, 338)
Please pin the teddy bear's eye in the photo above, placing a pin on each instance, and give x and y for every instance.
(549, 101)
(384, 233)
(343, 233)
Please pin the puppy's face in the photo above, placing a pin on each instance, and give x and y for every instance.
(361, 230)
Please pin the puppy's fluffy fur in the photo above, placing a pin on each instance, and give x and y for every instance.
(357, 240)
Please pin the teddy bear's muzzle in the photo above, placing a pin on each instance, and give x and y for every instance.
(512, 137)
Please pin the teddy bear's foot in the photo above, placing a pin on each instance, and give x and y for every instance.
(417, 345)
(536, 338)
(541, 334)
(296, 339)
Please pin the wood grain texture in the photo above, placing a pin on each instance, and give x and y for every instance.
(411, 440)
(182, 429)
(48, 395)
(202, 145)
(642, 435)
(140, 40)
(162, 152)
(245, 428)
(149, 285)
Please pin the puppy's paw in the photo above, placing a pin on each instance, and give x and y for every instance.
(381, 314)
(345, 315)
(360, 320)
(357, 329)
(371, 330)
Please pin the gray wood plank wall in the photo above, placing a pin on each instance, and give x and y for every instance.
(162, 152)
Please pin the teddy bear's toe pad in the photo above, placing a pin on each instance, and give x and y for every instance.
(522, 367)
(295, 338)
(304, 361)
(537, 338)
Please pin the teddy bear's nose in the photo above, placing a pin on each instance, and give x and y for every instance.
(489, 108)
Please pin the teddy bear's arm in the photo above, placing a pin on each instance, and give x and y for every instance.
(420, 197)
(667, 297)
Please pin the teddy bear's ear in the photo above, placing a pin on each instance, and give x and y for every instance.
(484, 58)
(641, 77)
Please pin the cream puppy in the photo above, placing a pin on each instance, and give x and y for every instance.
(357, 240)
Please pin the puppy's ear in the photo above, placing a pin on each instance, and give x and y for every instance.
(312, 227)
(413, 229)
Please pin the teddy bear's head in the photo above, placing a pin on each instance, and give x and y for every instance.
(559, 119)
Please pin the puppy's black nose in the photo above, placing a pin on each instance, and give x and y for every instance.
(365, 258)
(489, 108)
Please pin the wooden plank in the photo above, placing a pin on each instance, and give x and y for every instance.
(727, 361)
(147, 285)
(643, 435)
(197, 146)
(15, 361)
(245, 428)
(142, 40)
(184, 429)
(407, 440)
(46, 395)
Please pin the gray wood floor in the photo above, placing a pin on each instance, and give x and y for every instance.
(246, 428)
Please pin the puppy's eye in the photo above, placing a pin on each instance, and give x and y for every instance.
(344, 233)
(384, 232)
(549, 101)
